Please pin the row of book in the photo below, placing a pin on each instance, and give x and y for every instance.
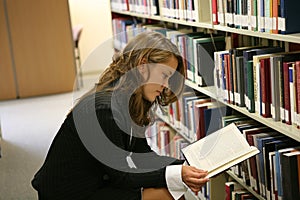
(265, 80)
(164, 140)
(195, 116)
(271, 16)
(186, 10)
(274, 173)
(146, 7)
(196, 47)
(123, 29)
(270, 173)
(235, 191)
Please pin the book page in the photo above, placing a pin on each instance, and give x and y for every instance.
(217, 148)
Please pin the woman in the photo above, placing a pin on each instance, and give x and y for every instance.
(100, 151)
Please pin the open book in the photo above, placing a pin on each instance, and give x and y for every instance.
(219, 151)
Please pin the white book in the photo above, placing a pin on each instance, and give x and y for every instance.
(219, 150)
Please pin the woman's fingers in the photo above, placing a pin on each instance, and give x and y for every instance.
(194, 178)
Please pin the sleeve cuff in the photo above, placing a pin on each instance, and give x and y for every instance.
(174, 181)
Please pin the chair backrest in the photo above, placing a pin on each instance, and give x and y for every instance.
(77, 29)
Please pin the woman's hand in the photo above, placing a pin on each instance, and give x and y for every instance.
(194, 178)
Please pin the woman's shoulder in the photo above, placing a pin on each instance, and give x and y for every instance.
(97, 100)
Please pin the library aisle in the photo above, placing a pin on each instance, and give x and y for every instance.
(28, 127)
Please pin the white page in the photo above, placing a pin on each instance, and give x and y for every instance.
(217, 148)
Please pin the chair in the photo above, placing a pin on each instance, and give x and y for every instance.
(77, 30)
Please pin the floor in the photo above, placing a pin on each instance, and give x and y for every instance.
(28, 127)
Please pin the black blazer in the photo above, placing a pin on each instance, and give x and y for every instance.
(90, 152)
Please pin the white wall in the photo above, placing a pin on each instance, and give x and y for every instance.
(95, 16)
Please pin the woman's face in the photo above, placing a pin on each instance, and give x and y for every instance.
(159, 74)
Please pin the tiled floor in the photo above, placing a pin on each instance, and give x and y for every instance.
(28, 127)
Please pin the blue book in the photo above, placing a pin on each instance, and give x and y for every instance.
(270, 147)
(261, 16)
(185, 110)
(289, 17)
(213, 118)
(259, 141)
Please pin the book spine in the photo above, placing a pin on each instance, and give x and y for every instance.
(250, 85)
(275, 16)
(275, 96)
(281, 81)
(292, 92)
(297, 79)
(240, 82)
(287, 105)
(214, 4)
(262, 16)
(227, 74)
(290, 177)
(263, 88)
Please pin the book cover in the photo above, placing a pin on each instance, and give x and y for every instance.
(255, 138)
(249, 70)
(240, 95)
(287, 100)
(290, 184)
(230, 187)
(213, 117)
(297, 82)
(204, 62)
(251, 162)
(286, 57)
(190, 53)
(219, 151)
(269, 147)
(289, 17)
(214, 4)
(260, 141)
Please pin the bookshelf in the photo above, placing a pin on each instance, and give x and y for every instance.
(208, 24)
(289, 131)
(293, 38)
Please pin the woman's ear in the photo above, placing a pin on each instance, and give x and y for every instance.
(143, 61)
(142, 66)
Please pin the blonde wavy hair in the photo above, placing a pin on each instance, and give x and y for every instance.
(152, 47)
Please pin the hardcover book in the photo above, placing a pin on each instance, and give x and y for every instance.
(219, 151)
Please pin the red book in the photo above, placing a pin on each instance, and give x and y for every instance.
(230, 187)
(198, 114)
(265, 87)
(214, 11)
(275, 16)
(286, 85)
(227, 74)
